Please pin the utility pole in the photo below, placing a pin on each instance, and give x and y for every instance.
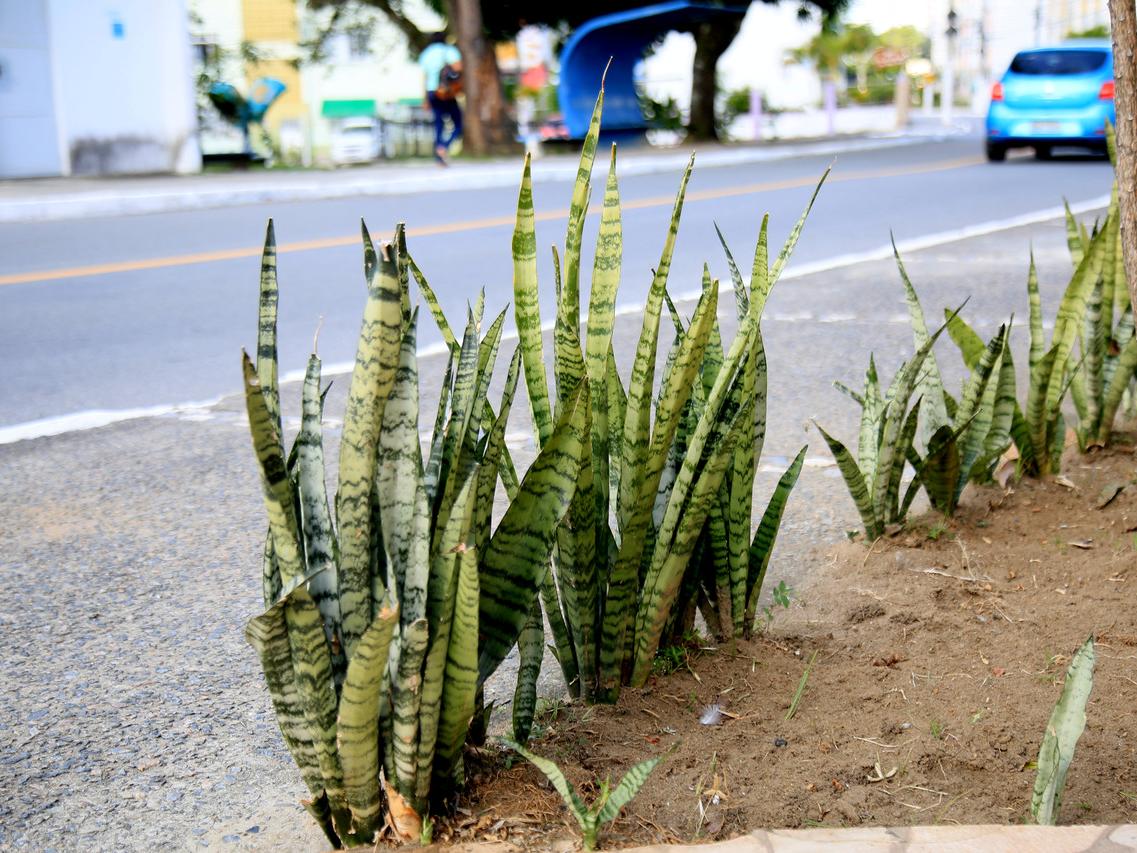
(947, 96)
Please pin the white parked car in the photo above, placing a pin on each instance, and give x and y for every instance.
(357, 140)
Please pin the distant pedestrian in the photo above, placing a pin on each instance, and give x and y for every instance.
(441, 65)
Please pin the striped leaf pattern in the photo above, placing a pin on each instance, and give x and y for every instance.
(376, 361)
(357, 725)
(460, 683)
(531, 650)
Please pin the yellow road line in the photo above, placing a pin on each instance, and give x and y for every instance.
(468, 225)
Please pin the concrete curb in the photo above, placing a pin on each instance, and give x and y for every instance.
(117, 197)
(925, 839)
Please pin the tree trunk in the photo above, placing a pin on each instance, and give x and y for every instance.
(488, 129)
(1121, 13)
(711, 41)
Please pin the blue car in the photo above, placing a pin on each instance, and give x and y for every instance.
(1053, 96)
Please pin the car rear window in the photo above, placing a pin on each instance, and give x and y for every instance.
(1058, 61)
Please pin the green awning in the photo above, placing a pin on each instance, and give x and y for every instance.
(348, 109)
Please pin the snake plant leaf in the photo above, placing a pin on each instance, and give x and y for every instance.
(628, 787)
(432, 304)
(319, 537)
(1003, 413)
(643, 469)
(931, 384)
(376, 361)
(560, 784)
(460, 682)
(440, 613)
(1109, 280)
(601, 315)
(637, 419)
(518, 553)
(268, 635)
(759, 294)
(462, 398)
(578, 208)
(278, 496)
(942, 469)
(1111, 143)
(1073, 236)
(1037, 412)
(673, 550)
(488, 470)
(357, 724)
(406, 701)
(1093, 351)
(1066, 724)
(399, 479)
(891, 508)
(1070, 312)
(438, 435)
(531, 649)
(266, 330)
(311, 661)
(762, 546)
(617, 412)
(270, 572)
(977, 404)
(856, 483)
(1034, 299)
(872, 419)
(741, 295)
(403, 269)
(1119, 382)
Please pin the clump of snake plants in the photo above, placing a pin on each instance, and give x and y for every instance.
(1106, 341)
(381, 625)
(648, 487)
(964, 438)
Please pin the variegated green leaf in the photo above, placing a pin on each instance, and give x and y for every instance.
(531, 650)
(931, 385)
(1065, 727)
(629, 785)
(266, 332)
(855, 480)
(762, 546)
(406, 701)
(460, 683)
(518, 552)
(357, 725)
(376, 361)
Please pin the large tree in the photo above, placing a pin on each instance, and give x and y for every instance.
(478, 24)
(1121, 13)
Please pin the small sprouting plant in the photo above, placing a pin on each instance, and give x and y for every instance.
(937, 530)
(781, 598)
(1066, 724)
(800, 688)
(606, 807)
(426, 834)
(937, 730)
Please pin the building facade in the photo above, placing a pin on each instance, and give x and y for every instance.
(94, 87)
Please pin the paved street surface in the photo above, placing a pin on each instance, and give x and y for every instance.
(114, 313)
(132, 714)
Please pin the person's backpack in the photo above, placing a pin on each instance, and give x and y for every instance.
(449, 82)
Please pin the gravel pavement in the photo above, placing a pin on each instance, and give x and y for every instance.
(133, 715)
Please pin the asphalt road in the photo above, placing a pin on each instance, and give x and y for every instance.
(146, 310)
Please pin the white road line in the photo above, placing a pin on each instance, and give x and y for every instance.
(95, 418)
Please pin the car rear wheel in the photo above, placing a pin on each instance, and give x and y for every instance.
(1043, 152)
(996, 153)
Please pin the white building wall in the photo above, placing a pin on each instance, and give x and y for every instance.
(29, 136)
(124, 85)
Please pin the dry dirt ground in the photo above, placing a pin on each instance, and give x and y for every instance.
(940, 653)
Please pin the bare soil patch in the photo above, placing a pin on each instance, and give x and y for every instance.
(939, 655)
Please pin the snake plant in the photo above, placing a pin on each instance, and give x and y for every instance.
(963, 439)
(648, 487)
(380, 626)
(1066, 724)
(1106, 340)
(609, 801)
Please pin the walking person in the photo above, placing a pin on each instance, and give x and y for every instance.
(441, 65)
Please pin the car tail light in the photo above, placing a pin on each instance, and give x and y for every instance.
(1106, 92)
(997, 92)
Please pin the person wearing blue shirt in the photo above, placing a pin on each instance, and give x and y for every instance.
(441, 65)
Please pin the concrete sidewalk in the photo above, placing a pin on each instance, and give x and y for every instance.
(71, 198)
